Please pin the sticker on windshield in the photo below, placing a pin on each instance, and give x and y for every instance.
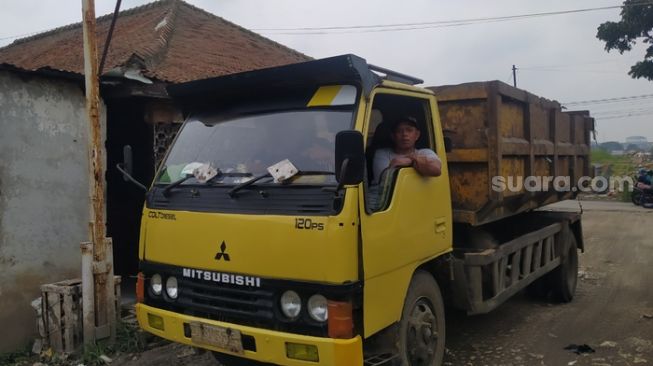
(203, 172)
(282, 170)
(333, 95)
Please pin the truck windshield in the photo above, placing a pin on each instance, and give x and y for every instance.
(243, 147)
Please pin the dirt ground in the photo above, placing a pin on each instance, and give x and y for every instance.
(612, 312)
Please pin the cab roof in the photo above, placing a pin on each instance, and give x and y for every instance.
(345, 69)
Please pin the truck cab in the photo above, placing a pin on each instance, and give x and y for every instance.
(266, 238)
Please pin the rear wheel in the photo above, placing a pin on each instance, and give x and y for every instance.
(422, 327)
(565, 278)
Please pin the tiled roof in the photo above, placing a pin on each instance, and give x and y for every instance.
(170, 40)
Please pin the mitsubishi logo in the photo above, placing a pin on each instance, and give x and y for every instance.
(222, 254)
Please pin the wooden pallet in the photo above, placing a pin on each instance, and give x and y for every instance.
(61, 316)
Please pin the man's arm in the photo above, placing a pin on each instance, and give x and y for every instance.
(428, 165)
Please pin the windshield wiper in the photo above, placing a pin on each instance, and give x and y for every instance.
(169, 187)
(232, 192)
(314, 172)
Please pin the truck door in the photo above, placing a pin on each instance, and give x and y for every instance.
(405, 218)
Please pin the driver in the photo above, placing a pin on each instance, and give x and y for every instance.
(405, 134)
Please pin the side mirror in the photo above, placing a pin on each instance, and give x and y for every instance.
(350, 157)
(127, 162)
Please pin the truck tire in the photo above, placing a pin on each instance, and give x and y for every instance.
(564, 278)
(422, 327)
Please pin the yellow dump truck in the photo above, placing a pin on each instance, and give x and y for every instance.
(266, 239)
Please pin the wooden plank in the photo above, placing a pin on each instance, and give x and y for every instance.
(68, 324)
(117, 281)
(54, 322)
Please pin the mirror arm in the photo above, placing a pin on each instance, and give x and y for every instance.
(129, 177)
(343, 174)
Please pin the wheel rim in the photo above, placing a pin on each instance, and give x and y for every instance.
(422, 333)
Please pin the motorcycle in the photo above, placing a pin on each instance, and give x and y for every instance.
(642, 195)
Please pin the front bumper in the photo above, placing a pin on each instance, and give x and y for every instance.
(270, 345)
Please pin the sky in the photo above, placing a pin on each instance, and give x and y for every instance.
(557, 57)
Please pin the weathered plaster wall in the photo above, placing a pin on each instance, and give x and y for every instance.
(44, 204)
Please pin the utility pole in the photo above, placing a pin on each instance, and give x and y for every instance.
(514, 76)
(99, 308)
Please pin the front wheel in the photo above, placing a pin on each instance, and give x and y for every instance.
(422, 327)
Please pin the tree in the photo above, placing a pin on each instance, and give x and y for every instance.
(636, 22)
(611, 146)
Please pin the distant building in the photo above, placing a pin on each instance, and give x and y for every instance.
(639, 141)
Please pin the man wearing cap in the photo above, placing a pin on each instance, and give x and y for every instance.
(405, 133)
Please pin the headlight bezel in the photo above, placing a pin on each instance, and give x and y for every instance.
(156, 281)
(311, 306)
(291, 295)
(169, 286)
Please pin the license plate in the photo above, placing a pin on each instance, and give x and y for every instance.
(215, 336)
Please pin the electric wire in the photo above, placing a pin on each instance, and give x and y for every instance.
(610, 100)
(433, 24)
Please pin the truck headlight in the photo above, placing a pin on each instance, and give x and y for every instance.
(317, 308)
(291, 304)
(156, 284)
(172, 288)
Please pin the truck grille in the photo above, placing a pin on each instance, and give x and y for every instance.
(225, 303)
(250, 306)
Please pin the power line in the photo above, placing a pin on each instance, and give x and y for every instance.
(626, 115)
(433, 24)
(610, 100)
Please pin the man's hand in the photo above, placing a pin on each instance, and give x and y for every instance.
(401, 161)
(426, 166)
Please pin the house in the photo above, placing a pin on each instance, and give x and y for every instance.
(44, 194)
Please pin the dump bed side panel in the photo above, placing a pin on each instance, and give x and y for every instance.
(501, 131)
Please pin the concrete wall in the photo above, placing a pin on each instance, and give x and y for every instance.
(44, 204)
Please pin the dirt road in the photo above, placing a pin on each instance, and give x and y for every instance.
(612, 312)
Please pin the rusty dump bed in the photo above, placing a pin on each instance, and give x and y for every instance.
(499, 130)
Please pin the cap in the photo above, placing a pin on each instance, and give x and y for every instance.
(406, 119)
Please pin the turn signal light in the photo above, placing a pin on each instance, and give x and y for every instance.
(341, 321)
(140, 287)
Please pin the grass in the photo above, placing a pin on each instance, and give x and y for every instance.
(129, 339)
(621, 165)
(20, 357)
